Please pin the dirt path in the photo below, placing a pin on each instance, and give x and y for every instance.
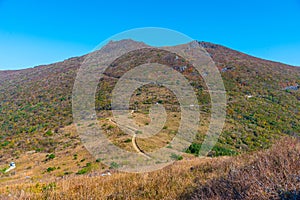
(134, 142)
(137, 148)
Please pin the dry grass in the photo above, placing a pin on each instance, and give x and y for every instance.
(274, 174)
(262, 175)
(167, 183)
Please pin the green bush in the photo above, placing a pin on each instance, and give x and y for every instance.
(83, 171)
(49, 133)
(194, 148)
(5, 143)
(50, 169)
(176, 157)
(88, 164)
(222, 151)
(127, 140)
(50, 157)
(114, 165)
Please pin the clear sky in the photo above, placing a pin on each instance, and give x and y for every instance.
(34, 32)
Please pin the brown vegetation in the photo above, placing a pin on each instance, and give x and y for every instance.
(273, 174)
(269, 174)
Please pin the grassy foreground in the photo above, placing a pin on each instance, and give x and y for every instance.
(272, 173)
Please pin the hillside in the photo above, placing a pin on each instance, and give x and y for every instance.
(37, 100)
(37, 130)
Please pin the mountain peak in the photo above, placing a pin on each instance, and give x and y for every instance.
(124, 43)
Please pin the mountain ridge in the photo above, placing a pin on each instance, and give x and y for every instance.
(204, 44)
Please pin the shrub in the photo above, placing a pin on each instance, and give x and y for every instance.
(3, 170)
(114, 165)
(75, 156)
(88, 164)
(50, 169)
(194, 149)
(49, 133)
(82, 171)
(127, 140)
(222, 151)
(50, 157)
(176, 157)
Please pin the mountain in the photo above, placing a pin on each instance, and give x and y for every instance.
(36, 109)
(37, 100)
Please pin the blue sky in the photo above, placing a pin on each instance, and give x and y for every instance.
(36, 32)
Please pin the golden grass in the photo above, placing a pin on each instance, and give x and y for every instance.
(179, 180)
(183, 179)
(273, 174)
(167, 183)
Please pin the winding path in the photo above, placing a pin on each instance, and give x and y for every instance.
(134, 142)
